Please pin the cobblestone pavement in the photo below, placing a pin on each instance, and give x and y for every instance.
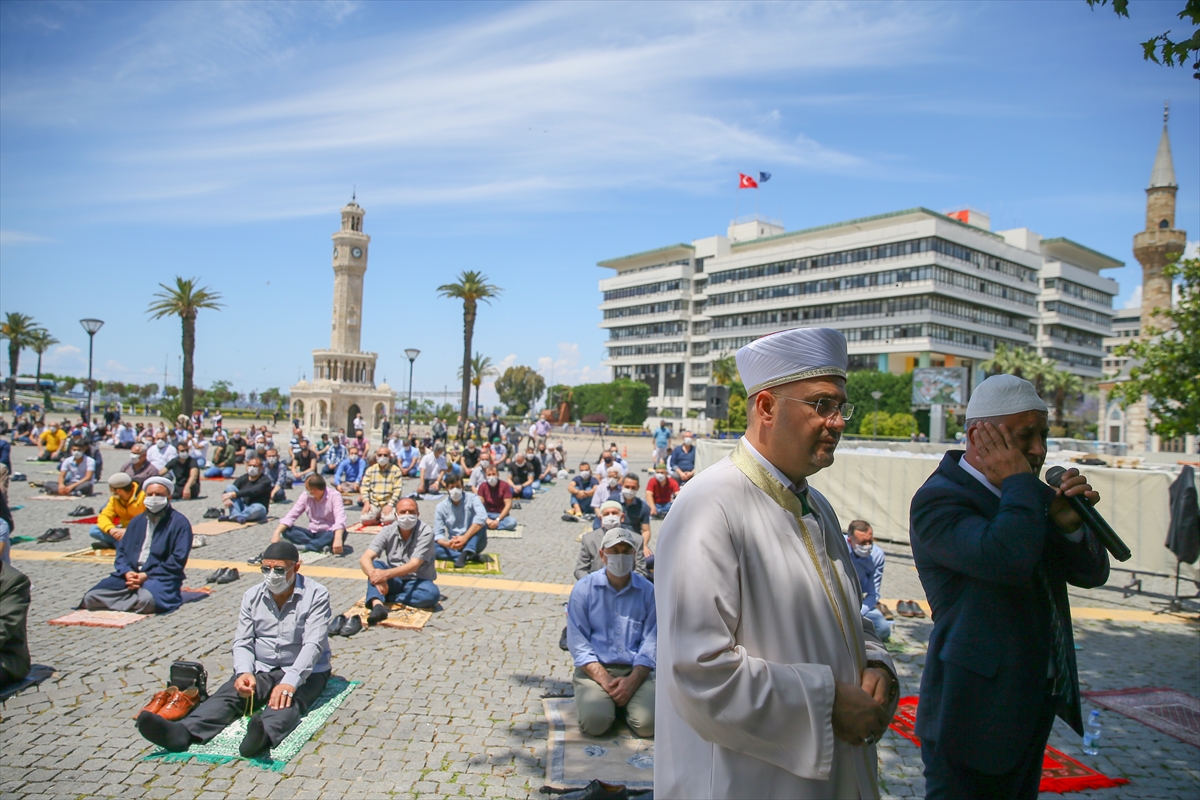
(454, 709)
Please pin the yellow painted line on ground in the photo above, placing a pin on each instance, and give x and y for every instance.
(317, 571)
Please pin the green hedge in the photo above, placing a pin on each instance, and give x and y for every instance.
(622, 402)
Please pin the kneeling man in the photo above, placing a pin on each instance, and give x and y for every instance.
(148, 572)
(612, 630)
(459, 524)
(280, 659)
(399, 564)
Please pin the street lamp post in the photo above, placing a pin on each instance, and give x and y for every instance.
(91, 326)
(411, 353)
(875, 417)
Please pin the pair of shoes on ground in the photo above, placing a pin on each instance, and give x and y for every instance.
(223, 575)
(55, 535)
(172, 736)
(173, 703)
(82, 511)
(214, 513)
(910, 608)
(342, 625)
(882, 608)
(570, 518)
(255, 561)
(461, 560)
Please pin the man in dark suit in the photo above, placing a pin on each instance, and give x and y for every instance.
(995, 549)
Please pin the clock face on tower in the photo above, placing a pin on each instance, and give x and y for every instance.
(335, 252)
(357, 252)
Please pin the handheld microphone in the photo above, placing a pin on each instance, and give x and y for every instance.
(1104, 532)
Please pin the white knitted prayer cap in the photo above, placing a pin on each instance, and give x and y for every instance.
(792, 355)
(1001, 395)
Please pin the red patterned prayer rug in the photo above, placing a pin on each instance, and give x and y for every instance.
(1164, 710)
(1060, 772)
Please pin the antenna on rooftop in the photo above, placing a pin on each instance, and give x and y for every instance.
(354, 194)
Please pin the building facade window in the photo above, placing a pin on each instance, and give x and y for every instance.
(660, 348)
(644, 289)
(645, 309)
(1068, 310)
(674, 328)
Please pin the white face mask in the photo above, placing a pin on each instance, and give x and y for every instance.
(407, 521)
(278, 584)
(353, 459)
(161, 444)
(610, 521)
(613, 483)
(253, 472)
(619, 564)
(661, 477)
(862, 550)
(455, 494)
(272, 461)
(382, 461)
(155, 504)
(585, 474)
(628, 494)
(688, 442)
(134, 456)
(493, 480)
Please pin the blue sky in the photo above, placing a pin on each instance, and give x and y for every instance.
(141, 141)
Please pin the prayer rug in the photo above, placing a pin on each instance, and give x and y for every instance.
(106, 555)
(216, 527)
(22, 539)
(190, 595)
(573, 758)
(491, 567)
(37, 674)
(223, 748)
(311, 557)
(100, 619)
(516, 533)
(1060, 772)
(53, 497)
(364, 527)
(400, 616)
(83, 521)
(1165, 710)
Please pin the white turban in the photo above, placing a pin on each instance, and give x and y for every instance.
(793, 355)
(1001, 395)
(160, 481)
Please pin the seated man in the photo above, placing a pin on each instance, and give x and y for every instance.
(139, 468)
(399, 564)
(76, 475)
(609, 487)
(682, 464)
(380, 487)
(471, 455)
(410, 459)
(174, 465)
(304, 463)
(612, 515)
(433, 467)
(277, 473)
(148, 572)
(125, 436)
(479, 473)
(459, 525)
(661, 491)
(326, 519)
(497, 497)
(523, 475)
(126, 502)
(609, 460)
(281, 662)
(224, 458)
(548, 458)
(14, 611)
(613, 637)
(868, 563)
(247, 498)
(322, 448)
(582, 488)
(335, 454)
(499, 453)
(637, 514)
(348, 476)
(52, 443)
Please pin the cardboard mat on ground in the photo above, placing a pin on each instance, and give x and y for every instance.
(99, 619)
(574, 759)
(216, 527)
(400, 616)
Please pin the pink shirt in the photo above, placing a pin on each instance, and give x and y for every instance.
(326, 514)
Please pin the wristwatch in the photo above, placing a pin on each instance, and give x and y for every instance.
(894, 689)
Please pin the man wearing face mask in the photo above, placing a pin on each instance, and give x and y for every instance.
(479, 474)
(224, 458)
(380, 487)
(347, 479)
(522, 474)
(682, 464)
(139, 468)
(868, 563)
(53, 443)
(76, 475)
(609, 460)
(148, 571)
(126, 502)
(637, 515)
(277, 473)
(612, 515)
(334, 455)
(609, 488)
(410, 459)
(326, 514)
(661, 491)
(281, 662)
(612, 632)
(399, 564)
(583, 487)
(497, 497)
(433, 465)
(247, 498)
(460, 525)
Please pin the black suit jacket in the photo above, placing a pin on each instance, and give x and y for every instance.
(985, 673)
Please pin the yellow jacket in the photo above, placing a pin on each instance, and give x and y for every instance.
(52, 441)
(117, 512)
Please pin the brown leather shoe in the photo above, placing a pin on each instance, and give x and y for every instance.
(159, 700)
(918, 612)
(883, 609)
(180, 703)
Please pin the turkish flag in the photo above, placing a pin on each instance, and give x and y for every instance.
(746, 182)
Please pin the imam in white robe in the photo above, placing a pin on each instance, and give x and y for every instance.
(750, 642)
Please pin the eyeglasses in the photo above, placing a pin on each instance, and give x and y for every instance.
(276, 570)
(826, 407)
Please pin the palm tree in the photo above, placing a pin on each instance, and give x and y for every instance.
(481, 367)
(471, 287)
(1004, 360)
(40, 343)
(724, 370)
(1062, 383)
(19, 329)
(184, 300)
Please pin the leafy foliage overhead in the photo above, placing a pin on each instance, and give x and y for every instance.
(519, 388)
(1162, 49)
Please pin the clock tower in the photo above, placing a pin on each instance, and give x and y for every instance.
(349, 265)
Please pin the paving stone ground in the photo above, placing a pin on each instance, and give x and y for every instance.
(455, 709)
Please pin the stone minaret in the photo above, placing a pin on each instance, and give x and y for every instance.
(1154, 246)
(349, 266)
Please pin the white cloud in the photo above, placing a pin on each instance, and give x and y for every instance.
(1135, 299)
(64, 358)
(22, 237)
(1192, 250)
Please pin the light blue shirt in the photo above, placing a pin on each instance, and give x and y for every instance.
(612, 627)
(350, 471)
(450, 520)
(408, 454)
(662, 437)
(870, 573)
(294, 638)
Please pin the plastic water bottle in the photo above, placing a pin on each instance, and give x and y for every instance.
(1091, 734)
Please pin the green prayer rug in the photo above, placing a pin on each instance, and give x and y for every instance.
(490, 567)
(223, 748)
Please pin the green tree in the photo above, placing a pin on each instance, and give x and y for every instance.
(471, 288)
(481, 367)
(1162, 49)
(620, 402)
(519, 388)
(171, 392)
(147, 391)
(896, 391)
(114, 387)
(725, 371)
(40, 342)
(1166, 365)
(1063, 384)
(20, 330)
(185, 300)
(900, 425)
(272, 398)
(738, 418)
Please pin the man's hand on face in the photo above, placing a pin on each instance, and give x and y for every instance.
(999, 454)
(1062, 515)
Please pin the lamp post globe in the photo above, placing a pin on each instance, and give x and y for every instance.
(411, 354)
(91, 326)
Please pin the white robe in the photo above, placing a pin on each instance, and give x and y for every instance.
(749, 646)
